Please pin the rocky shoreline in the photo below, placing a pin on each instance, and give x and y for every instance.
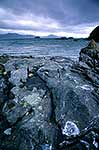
(50, 103)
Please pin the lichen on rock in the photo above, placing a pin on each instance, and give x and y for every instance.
(70, 129)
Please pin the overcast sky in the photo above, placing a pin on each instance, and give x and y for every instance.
(42, 17)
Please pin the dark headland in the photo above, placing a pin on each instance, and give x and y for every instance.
(94, 34)
(50, 103)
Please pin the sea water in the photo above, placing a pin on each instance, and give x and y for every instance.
(42, 47)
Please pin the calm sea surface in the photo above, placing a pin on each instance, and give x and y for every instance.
(42, 47)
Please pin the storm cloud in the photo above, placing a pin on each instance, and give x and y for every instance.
(43, 17)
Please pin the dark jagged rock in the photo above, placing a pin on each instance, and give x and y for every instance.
(4, 58)
(94, 34)
(46, 102)
(90, 55)
(91, 50)
(2, 69)
(89, 63)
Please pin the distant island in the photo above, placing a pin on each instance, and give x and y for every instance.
(20, 36)
(51, 36)
(37, 37)
(15, 36)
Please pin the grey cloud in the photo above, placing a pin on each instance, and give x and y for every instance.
(68, 13)
(64, 10)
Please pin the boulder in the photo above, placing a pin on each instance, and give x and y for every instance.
(90, 55)
(88, 64)
(2, 69)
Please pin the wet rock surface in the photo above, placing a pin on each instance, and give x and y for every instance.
(50, 103)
